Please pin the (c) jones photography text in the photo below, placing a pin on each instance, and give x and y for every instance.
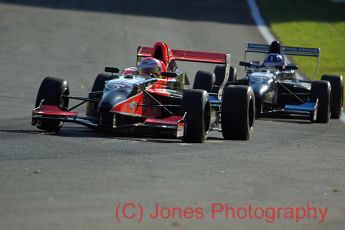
(218, 211)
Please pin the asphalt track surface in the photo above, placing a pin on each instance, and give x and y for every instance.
(75, 179)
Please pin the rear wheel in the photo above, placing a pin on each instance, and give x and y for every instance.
(321, 91)
(204, 80)
(53, 91)
(219, 71)
(197, 105)
(238, 112)
(337, 91)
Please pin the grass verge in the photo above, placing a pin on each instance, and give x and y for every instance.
(310, 23)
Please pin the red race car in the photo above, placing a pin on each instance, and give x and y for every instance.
(155, 94)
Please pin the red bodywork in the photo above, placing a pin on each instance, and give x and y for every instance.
(135, 106)
(51, 110)
(180, 55)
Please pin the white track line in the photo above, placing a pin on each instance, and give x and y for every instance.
(263, 28)
(259, 21)
(267, 34)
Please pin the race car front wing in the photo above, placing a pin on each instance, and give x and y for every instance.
(49, 112)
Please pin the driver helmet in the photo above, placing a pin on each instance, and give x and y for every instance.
(273, 60)
(150, 66)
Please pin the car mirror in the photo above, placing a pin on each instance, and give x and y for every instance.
(291, 67)
(243, 63)
(111, 69)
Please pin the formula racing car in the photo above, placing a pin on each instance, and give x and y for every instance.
(280, 93)
(155, 94)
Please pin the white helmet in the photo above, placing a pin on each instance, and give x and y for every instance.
(150, 66)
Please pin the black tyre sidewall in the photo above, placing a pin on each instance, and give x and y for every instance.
(51, 92)
(219, 72)
(204, 80)
(197, 105)
(337, 96)
(238, 112)
(100, 80)
(98, 85)
(321, 90)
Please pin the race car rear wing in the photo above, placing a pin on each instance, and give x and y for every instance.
(195, 56)
(187, 55)
(286, 50)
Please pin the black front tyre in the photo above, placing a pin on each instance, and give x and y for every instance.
(100, 80)
(321, 91)
(258, 108)
(337, 91)
(238, 112)
(204, 80)
(98, 86)
(53, 91)
(197, 124)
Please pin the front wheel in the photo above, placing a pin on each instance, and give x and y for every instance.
(238, 112)
(96, 92)
(321, 90)
(53, 91)
(196, 104)
(99, 83)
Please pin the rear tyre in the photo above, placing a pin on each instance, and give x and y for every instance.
(337, 97)
(219, 71)
(321, 91)
(52, 91)
(197, 124)
(238, 112)
(204, 80)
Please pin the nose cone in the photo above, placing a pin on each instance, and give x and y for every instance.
(105, 106)
(111, 98)
(260, 82)
(259, 90)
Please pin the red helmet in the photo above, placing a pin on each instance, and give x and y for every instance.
(150, 66)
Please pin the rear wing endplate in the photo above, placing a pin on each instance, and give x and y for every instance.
(195, 56)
